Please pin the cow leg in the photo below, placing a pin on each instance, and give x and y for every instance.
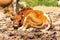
(24, 26)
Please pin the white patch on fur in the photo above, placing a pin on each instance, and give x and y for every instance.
(48, 24)
(46, 28)
(30, 29)
(46, 16)
(25, 19)
(20, 28)
(15, 25)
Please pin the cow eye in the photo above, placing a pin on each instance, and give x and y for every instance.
(12, 19)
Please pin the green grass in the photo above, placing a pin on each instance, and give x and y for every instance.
(48, 2)
(31, 3)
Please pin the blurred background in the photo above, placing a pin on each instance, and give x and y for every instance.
(32, 3)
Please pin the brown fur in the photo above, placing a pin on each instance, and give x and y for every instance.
(33, 18)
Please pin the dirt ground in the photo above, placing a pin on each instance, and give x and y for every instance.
(52, 34)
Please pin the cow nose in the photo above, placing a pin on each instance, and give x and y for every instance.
(15, 26)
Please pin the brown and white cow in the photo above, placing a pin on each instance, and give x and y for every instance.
(34, 18)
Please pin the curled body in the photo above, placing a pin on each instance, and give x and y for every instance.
(34, 18)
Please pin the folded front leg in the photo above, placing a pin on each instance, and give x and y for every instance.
(24, 26)
(21, 28)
